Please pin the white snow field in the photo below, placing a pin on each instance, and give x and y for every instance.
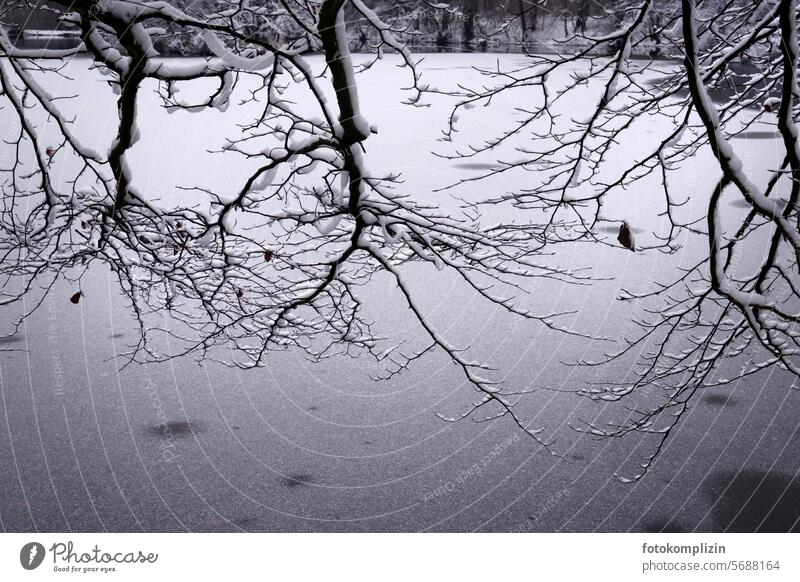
(296, 446)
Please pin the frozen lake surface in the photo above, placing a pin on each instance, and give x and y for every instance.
(297, 446)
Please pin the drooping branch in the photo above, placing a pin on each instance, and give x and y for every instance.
(735, 311)
(277, 261)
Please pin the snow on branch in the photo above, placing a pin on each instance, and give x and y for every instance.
(702, 74)
(277, 261)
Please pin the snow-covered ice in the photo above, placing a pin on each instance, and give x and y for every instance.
(296, 446)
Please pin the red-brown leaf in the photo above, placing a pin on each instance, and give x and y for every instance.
(76, 298)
